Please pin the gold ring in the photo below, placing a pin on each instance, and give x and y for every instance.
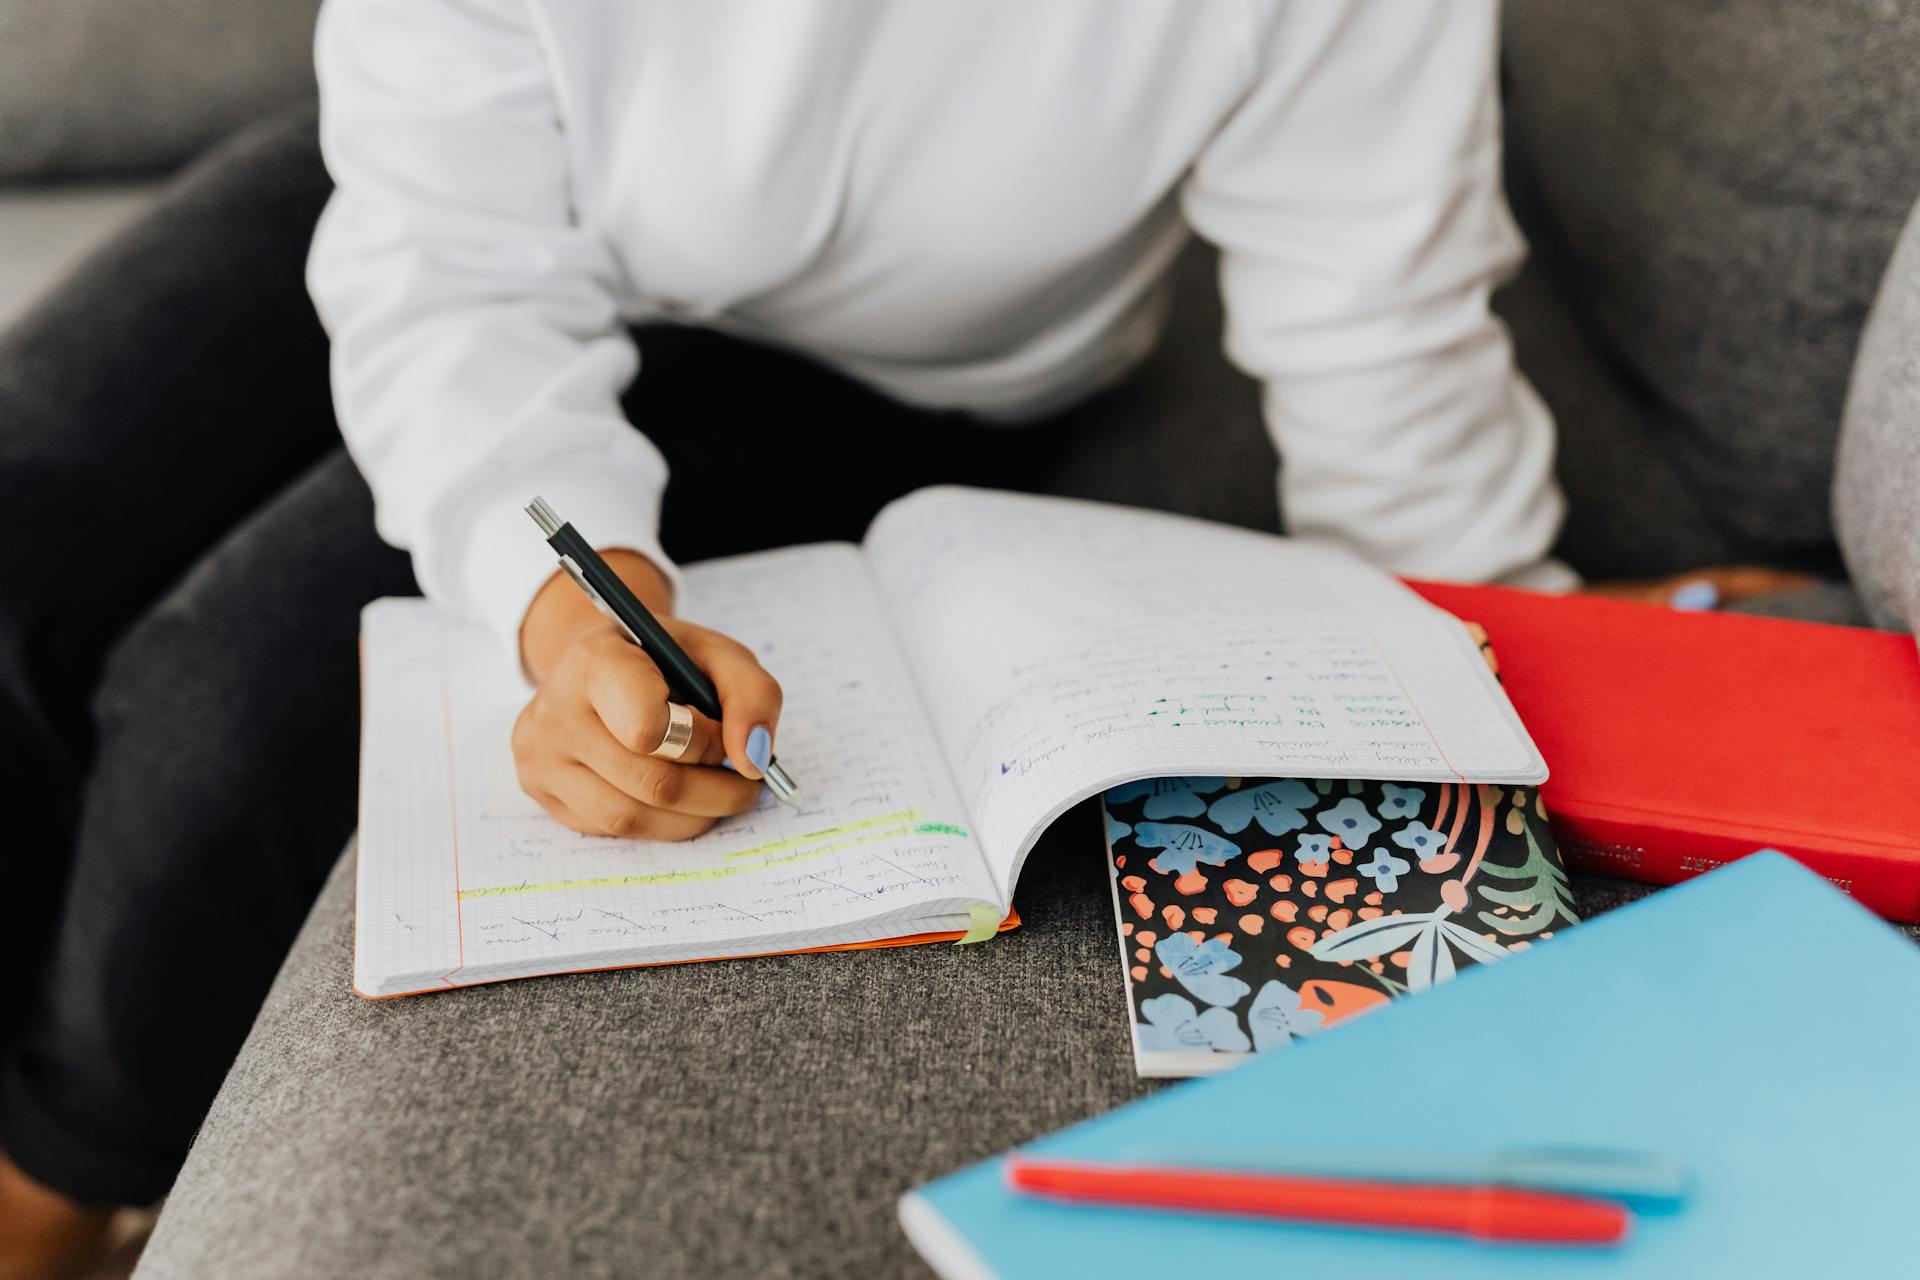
(679, 734)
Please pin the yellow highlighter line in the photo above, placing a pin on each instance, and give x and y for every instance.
(774, 846)
(768, 855)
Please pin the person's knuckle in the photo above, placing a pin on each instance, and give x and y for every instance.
(627, 821)
(762, 682)
(560, 813)
(725, 647)
(602, 637)
(755, 691)
(550, 707)
(662, 785)
(625, 723)
(525, 736)
(636, 734)
(575, 663)
(635, 717)
(529, 779)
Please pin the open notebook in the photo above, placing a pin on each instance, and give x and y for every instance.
(979, 664)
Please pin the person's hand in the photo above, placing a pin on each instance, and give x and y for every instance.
(583, 744)
(1702, 588)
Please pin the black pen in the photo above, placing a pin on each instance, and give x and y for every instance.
(686, 682)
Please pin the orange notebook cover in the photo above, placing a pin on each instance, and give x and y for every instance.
(1678, 741)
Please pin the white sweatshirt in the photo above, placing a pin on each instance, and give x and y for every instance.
(966, 203)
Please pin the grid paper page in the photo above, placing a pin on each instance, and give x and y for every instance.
(493, 888)
(1064, 647)
(406, 914)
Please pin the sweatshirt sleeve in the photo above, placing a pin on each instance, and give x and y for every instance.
(478, 351)
(1356, 198)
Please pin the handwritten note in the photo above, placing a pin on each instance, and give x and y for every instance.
(465, 879)
(982, 663)
(1064, 647)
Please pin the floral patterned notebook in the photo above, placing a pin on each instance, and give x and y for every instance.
(1255, 911)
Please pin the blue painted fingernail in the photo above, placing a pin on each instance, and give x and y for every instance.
(759, 747)
(1695, 597)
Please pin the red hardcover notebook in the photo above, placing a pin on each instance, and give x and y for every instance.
(1678, 741)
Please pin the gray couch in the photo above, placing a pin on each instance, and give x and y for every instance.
(100, 101)
(1713, 190)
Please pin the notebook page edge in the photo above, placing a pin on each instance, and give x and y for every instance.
(899, 927)
(404, 621)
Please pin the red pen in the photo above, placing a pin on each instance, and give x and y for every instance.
(1481, 1212)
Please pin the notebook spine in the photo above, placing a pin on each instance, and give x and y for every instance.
(1885, 882)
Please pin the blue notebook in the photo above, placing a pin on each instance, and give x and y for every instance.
(1754, 1024)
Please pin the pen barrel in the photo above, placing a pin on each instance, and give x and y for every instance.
(1545, 1217)
(685, 682)
(1487, 1213)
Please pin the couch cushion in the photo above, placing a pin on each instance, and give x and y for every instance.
(1877, 489)
(755, 1117)
(45, 231)
(103, 87)
(1714, 189)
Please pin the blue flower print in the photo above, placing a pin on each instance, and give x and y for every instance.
(1419, 840)
(1275, 806)
(1400, 802)
(1386, 870)
(1314, 848)
(1201, 967)
(1222, 1029)
(1173, 1026)
(1351, 822)
(1116, 830)
(1276, 1016)
(1186, 847)
(1169, 797)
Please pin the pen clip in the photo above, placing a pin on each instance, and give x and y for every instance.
(579, 580)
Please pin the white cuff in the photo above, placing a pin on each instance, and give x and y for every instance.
(508, 561)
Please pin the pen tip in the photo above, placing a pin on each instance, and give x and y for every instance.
(780, 783)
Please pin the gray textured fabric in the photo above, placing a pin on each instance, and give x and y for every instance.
(749, 1118)
(1835, 603)
(1630, 512)
(746, 1118)
(1877, 485)
(1712, 190)
(103, 87)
